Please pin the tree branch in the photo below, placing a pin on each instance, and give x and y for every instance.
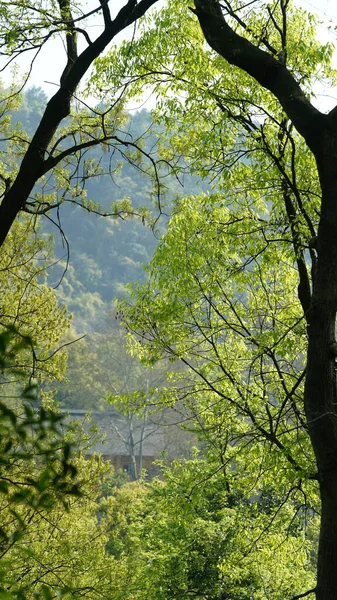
(58, 108)
(268, 71)
(298, 596)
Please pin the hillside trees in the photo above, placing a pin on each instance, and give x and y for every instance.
(249, 298)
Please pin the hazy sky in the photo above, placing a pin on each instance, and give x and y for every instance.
(324, 8)
(48, 65)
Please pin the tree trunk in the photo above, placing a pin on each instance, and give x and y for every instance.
(320, 390)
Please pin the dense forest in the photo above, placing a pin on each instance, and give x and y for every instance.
(173, 274)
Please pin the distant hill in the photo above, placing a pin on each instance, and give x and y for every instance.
(104, 255)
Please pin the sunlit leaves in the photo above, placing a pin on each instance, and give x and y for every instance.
(193, 535)
(30, 305)
(222, 303)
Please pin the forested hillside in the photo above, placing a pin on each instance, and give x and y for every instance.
(105, 253)
(95, 257)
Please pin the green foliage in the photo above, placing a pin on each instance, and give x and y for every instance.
(192, 537)
(211, 109)
(37, 471)
(224, 304)
(63, 552)
(27, 303)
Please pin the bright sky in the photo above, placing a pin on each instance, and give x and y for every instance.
(326, 9)
(48, 65)
(326, 97)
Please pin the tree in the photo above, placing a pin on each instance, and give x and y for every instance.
(31, 307)
(61, 550)
(182, 540)
(319, 300)
(101, 376)
(51, 148)
(247, 116)
(37, 468)
(224, 305)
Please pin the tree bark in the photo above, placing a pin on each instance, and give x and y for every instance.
(320, 388)
(320, 399)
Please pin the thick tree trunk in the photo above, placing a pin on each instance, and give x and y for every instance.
(320, 391)
(321, 415)
(327, 555)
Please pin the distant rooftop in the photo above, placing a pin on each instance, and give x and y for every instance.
(117, 434)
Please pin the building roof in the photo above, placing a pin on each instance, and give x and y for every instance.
(116, 434)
